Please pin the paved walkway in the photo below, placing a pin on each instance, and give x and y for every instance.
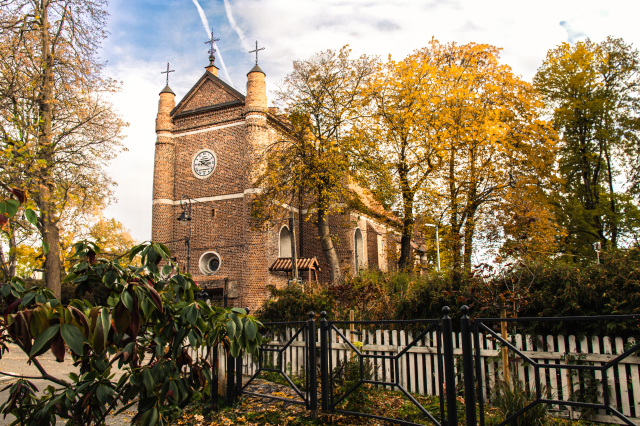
(15, 362)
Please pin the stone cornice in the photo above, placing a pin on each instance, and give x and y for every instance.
(201, 129)
(248, 191)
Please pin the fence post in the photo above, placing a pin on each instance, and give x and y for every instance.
(231, 362)
(239, 375)
(449, 368)
(467, 367)
(324, 361)
(313, 377)
(214, 378)
(479, 377)
(239, 369)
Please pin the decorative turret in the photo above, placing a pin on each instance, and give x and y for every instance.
(165, 105)
(212, 67)
(255, 113)
(163, 167)
(256, 99)
(256, 89)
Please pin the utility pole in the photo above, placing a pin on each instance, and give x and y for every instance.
(300, 230)
(597, 247)
(294, 254)
(438, 247)
(355, 243)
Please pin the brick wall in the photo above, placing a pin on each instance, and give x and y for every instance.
(214, 117)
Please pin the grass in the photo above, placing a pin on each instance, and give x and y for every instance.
(253, 412)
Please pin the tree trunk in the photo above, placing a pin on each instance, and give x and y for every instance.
(4, 264)
(329, 250)
(13, 256)
(408, 223)
(455, 225)
(614, 220)
(9, 260)
(470, 223)
(469, 229)
(49, 229)
(51, 236)
(404, 264)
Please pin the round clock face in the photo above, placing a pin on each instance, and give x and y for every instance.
(204, 163)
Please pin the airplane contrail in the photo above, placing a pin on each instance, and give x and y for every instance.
(205, 23)
(234, 25)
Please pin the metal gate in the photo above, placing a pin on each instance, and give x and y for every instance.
(482, 325)
(331, 403)
(318, 348)
(306, 329)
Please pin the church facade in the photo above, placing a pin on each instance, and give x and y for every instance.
(205, 152)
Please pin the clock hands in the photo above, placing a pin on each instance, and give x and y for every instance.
(204, 163)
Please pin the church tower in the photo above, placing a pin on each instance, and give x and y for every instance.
(208, 150)
(163, 167)
(255, 112)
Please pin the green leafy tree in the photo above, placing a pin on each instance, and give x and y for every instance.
(397, 149)
(146, 328)
(9, 208)
(593, 91)
(308, 165)
(58, 129)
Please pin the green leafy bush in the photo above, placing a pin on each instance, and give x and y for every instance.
(346, 375)
(570, 289)
(511, 398)
(146, 328)
(526, 289)
(293, 303)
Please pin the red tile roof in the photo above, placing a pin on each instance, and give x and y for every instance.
(284, 264)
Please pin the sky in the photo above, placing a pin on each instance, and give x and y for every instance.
(146, 34)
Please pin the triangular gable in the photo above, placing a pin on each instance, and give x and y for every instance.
(208, 91)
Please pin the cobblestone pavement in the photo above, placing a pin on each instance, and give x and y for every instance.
(15, 362)
(267, 388)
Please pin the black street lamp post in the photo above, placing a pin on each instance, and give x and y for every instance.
(185, 218)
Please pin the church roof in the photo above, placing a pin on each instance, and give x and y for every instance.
(284, 264)
(256, 68)
(167, 89)
(209, 108)
(218, 81)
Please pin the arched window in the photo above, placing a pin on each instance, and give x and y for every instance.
(358, 246)
(285, 242)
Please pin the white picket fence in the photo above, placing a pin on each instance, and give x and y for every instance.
(419, 366)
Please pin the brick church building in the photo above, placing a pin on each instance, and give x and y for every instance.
(204, 155)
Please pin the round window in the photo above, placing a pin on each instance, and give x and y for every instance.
(210, 262)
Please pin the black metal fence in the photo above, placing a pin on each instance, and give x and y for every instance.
(482, 325)
(308, 397)
(331, 402)
(317, 346)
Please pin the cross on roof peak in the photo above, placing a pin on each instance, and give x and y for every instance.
(167, 72)
(256, 51)
(212, 42)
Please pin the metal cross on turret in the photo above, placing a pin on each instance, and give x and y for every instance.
(256, 51)
(167, 72)
(212, 42)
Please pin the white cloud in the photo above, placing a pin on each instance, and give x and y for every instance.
(294, 30)
(133, 169)
(205, 23)
(233, 24)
